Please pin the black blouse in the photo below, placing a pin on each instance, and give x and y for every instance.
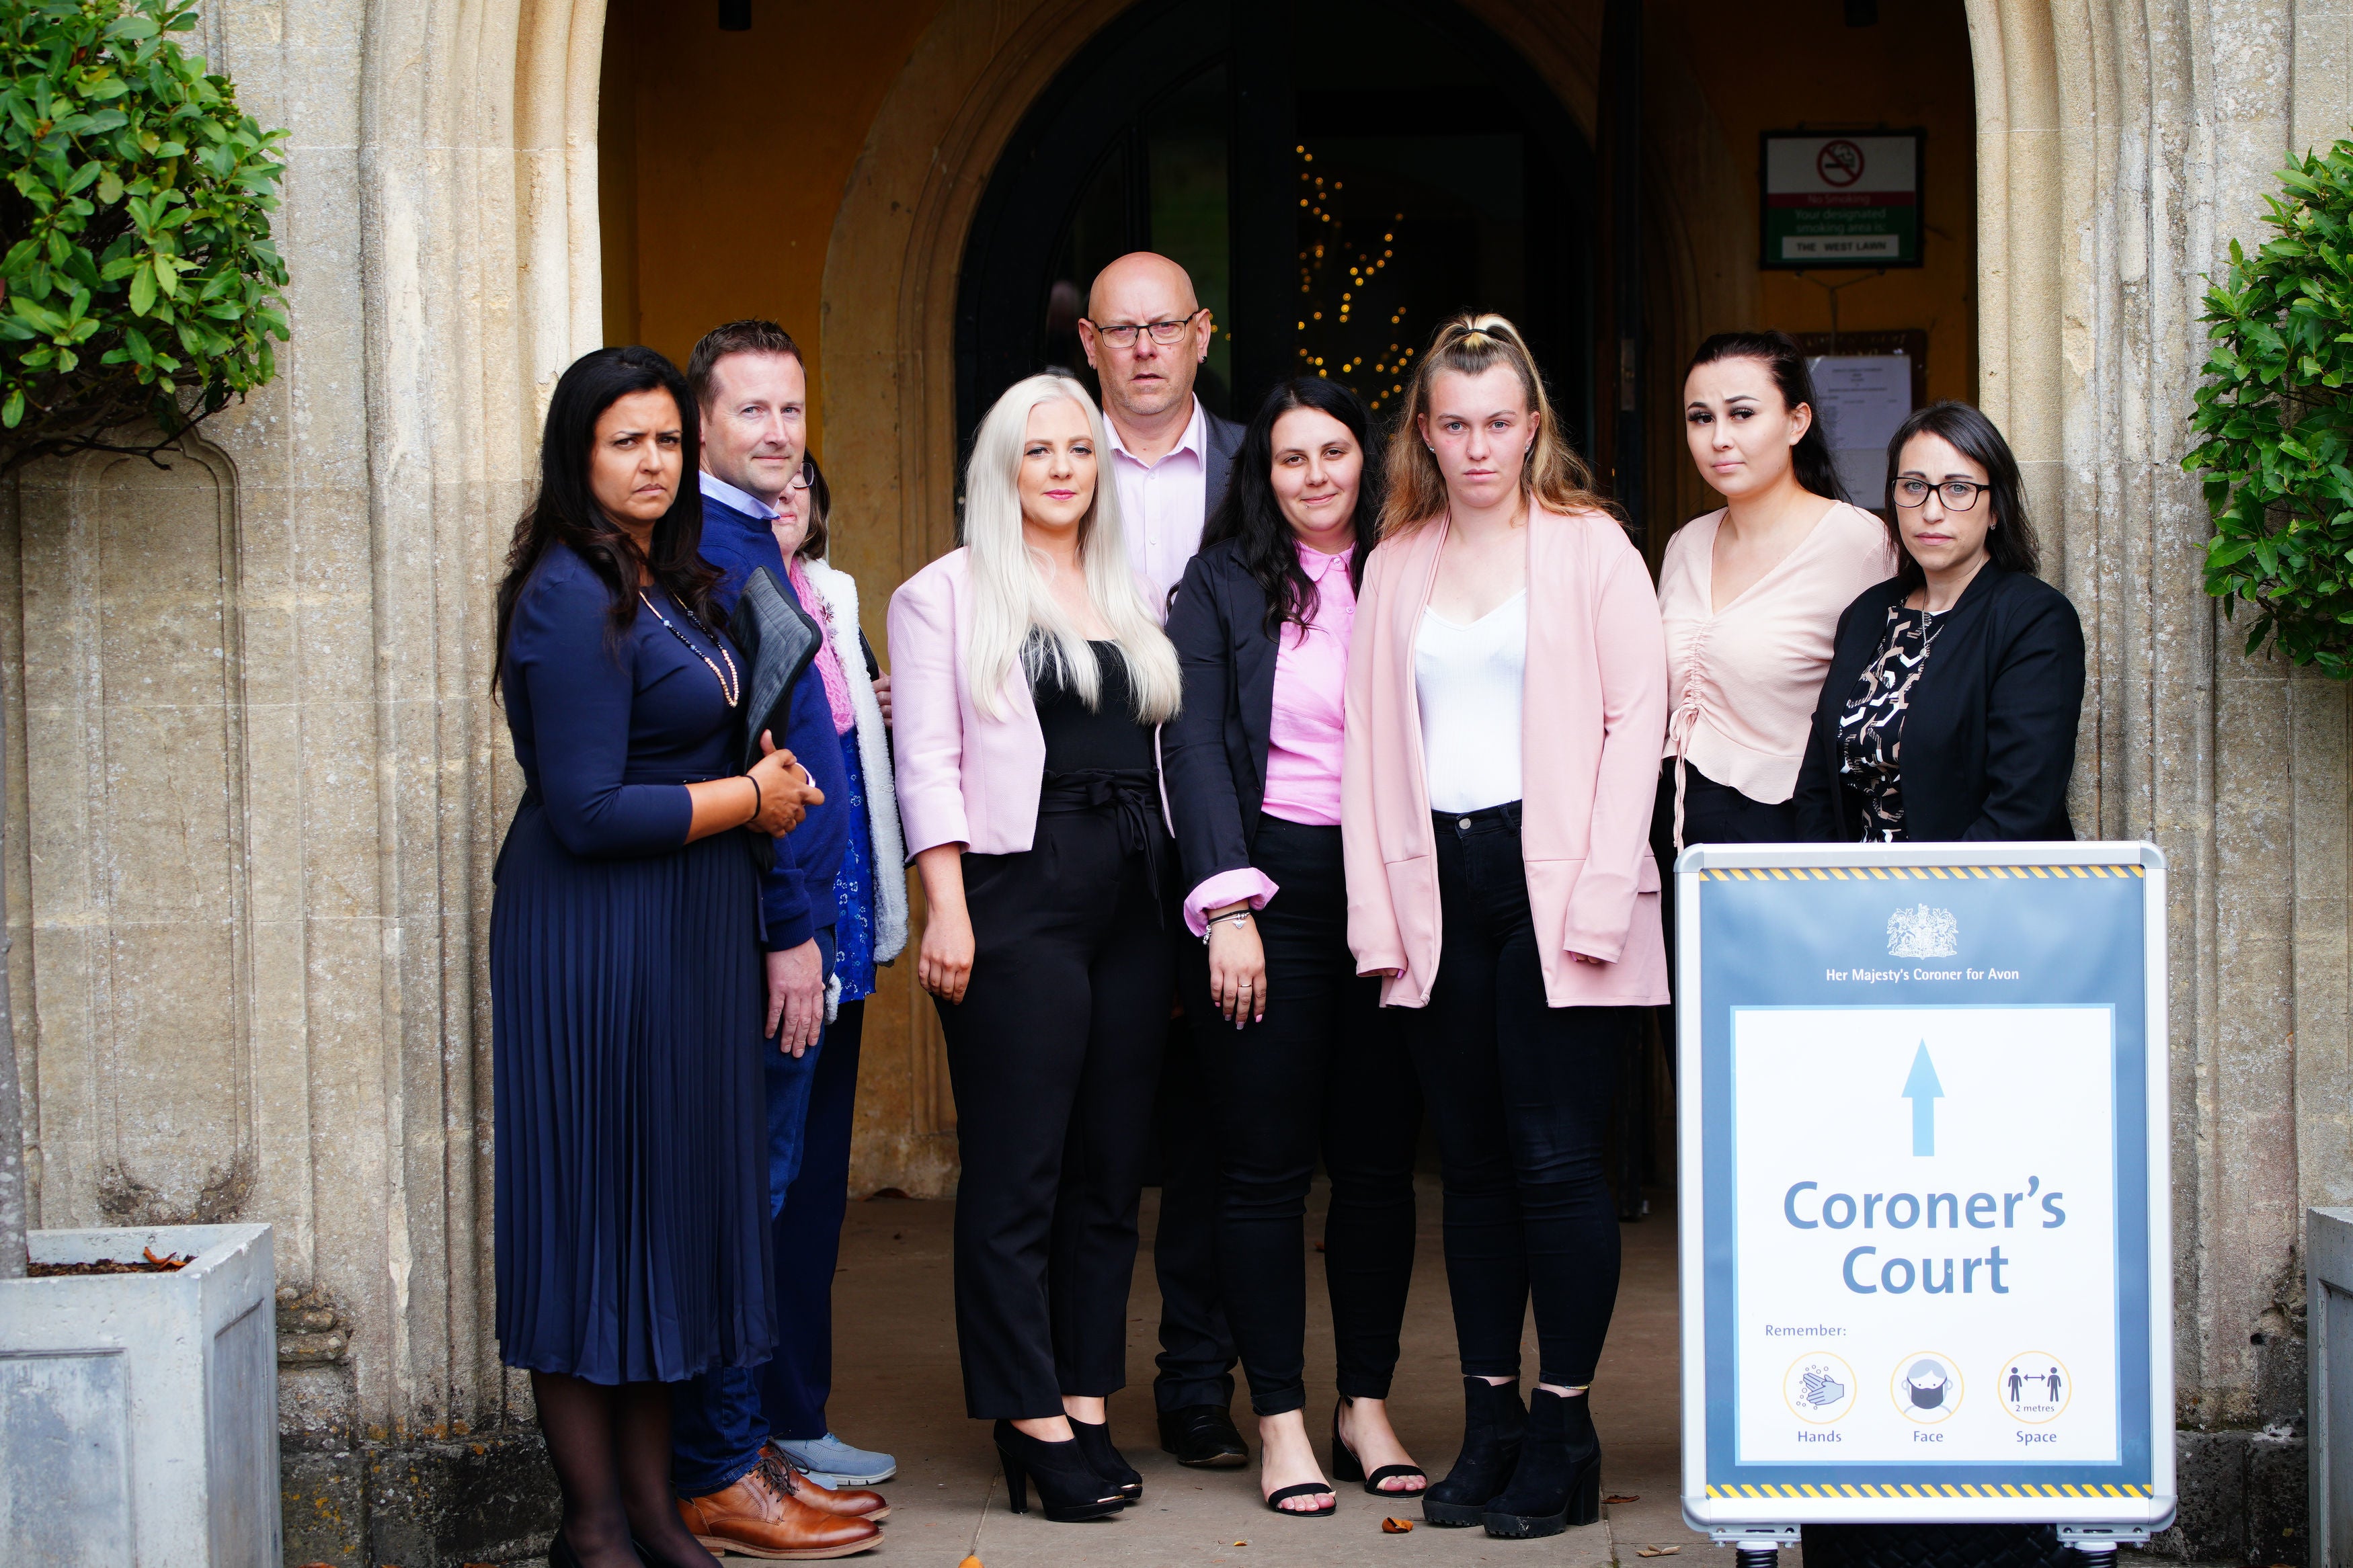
(1105, 737)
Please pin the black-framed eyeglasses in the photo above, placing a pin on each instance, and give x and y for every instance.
(805, 478)
(1123, 336)
(1959, 495)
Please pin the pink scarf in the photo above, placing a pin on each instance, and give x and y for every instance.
(829, 663)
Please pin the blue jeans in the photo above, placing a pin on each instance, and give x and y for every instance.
(716, 1422)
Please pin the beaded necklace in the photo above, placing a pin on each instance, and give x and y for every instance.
(731, 685)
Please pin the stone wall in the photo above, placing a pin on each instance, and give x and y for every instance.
(255, 780)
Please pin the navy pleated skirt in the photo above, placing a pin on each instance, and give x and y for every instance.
(631, 1187)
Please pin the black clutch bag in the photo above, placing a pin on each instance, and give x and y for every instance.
(777, 639)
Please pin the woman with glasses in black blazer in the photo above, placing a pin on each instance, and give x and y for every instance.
(1302, 1058)
(1950, 709)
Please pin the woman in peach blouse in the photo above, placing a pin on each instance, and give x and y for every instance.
(1751, 593)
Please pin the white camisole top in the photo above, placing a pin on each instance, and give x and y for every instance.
(1468, 681)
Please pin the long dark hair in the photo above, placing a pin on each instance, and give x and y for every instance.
(2011, 544)
(1810, 459)
(820, 508)
(565, 511)
(1252, 518)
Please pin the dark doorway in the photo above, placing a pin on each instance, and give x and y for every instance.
(1356, 171)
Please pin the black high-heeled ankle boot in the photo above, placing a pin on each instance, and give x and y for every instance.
(1492, 1423)
(1094, 1442)
(1557, 1482)
(1068, 1489)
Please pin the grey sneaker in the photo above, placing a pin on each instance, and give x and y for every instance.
(833, 1464)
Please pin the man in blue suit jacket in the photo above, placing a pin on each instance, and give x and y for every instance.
(738, 1491)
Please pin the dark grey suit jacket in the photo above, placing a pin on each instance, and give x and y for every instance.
(1225, 441)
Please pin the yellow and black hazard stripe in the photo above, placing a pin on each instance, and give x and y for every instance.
(1923, 1490)
(1918, 873)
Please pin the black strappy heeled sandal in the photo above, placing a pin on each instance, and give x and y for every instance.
(1305, 1489)
(1346, 1467)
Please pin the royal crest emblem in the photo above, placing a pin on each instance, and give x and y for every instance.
(1923, 932)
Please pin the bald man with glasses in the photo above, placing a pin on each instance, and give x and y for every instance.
(1147, 335)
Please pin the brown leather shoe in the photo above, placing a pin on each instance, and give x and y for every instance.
(858, 1504)
(759, 1516)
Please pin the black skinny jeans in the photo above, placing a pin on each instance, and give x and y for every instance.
(1053, 1052)
(1327, 1070)
(1519, 1095)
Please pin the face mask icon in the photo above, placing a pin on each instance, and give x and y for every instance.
(1927, 1382)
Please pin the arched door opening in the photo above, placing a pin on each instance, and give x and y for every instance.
(1330, 218)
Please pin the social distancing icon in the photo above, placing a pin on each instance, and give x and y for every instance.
(2034, 1387)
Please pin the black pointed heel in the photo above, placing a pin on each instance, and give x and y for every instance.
(1068, 1489)
(1346, 1467)
(1305, 1489)
(1094, 1442)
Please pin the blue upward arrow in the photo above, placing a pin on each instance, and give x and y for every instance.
(1923, 1090)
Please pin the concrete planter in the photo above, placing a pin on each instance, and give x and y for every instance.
(140, 1410)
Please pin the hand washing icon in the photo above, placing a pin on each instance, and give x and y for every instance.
(1820, 1388)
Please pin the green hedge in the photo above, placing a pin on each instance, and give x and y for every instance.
(140, 284)
(2275, 422)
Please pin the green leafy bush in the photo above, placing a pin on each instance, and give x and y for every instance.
(2276, 422)
(138, 282)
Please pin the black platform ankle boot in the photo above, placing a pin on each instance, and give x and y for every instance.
(1493, 1422)
(1094, 1442)
(1558, 1481)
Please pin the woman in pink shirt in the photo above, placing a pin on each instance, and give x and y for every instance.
(1302, 1058)
(1751, 593)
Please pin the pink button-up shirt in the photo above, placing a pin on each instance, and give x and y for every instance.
(1161, 506)
(1304, 738)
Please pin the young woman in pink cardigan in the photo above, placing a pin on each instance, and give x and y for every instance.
(1506, 703)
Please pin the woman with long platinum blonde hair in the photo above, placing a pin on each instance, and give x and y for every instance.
(1030, 678)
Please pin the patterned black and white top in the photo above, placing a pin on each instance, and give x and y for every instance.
(1871, 728)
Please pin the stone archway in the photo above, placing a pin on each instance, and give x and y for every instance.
(2119, 146)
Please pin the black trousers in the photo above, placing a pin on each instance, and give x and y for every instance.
(1519, 1095)
(1713, 814)
(1197, 1343)
(1053, 1054)
(1326, 1071)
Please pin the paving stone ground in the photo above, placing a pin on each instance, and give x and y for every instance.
(899, 1389)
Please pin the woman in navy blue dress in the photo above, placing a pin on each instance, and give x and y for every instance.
(632, 1235)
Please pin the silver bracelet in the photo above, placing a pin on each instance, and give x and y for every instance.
(1214, 922)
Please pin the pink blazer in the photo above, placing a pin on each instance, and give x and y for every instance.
(1594, 714)
(964, 777)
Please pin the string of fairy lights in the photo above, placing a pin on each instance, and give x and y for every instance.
(1327, 247)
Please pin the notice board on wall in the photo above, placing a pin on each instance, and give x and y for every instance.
(1840, 198)
(1922, 1099)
